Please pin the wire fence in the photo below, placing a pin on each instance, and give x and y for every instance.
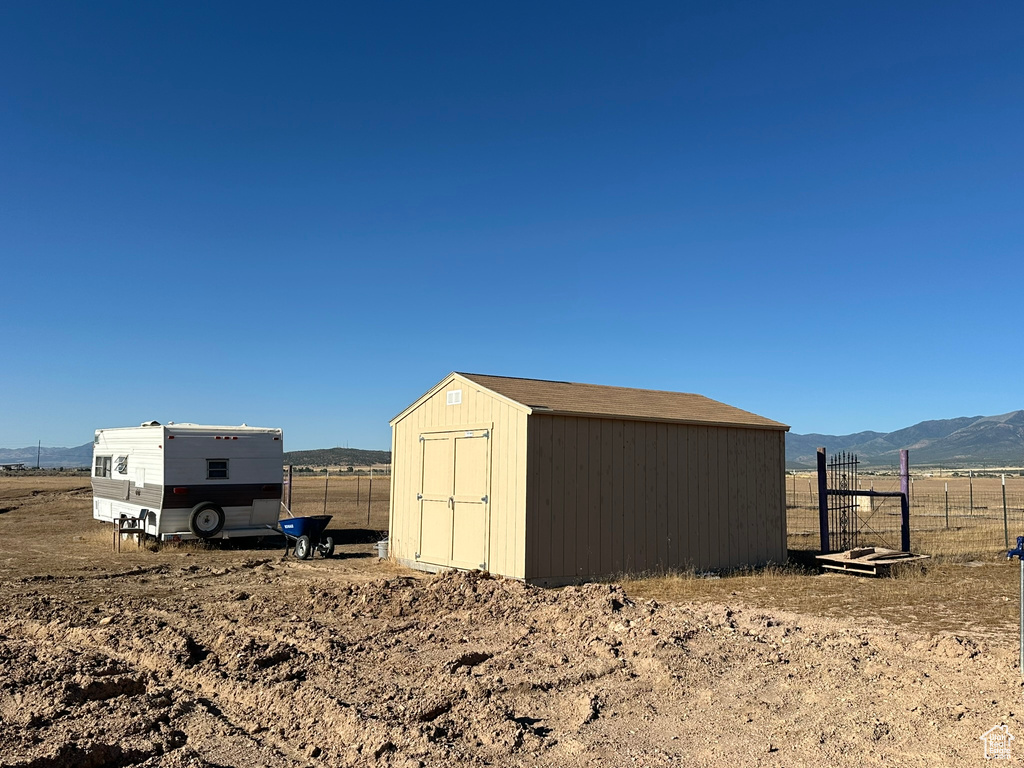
(949, 515)
(359, 502)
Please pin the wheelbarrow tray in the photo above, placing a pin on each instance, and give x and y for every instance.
(311, 526)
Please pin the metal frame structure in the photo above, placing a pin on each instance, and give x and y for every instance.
(838, 511)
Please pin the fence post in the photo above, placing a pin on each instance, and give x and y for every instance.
(327, 479)
(1006, 530)
(904, 500)
(823, 503)
(947, 506)
(970, 480)
(369, 497)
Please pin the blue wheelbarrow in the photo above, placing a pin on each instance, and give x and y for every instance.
(307, 533)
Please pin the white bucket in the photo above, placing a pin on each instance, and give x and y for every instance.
(382, 549)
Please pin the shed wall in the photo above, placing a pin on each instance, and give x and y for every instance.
(507, 507)
(608, 496)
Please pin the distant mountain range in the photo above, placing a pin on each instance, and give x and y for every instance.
(80, 456)
(969, 441)
(337, 457)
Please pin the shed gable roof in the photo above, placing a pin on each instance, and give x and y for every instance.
(569, 398)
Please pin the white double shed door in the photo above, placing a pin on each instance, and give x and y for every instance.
(454, 498)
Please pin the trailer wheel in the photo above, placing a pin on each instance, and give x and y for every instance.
(206, 520)
(327, 546)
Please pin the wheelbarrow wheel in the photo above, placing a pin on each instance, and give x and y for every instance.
(327, 546)
(302, 548)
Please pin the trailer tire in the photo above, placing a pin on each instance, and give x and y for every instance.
(206, 520)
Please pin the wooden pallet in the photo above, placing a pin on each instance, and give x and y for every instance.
(869, 561)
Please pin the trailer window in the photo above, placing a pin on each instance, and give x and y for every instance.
(216, 469)
(122, 465)
(102, 468)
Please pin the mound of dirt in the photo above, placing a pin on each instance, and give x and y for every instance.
(266, 664)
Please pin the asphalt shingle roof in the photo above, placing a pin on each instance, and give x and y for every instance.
(569, 398)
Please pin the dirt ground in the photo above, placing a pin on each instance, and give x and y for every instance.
(189, 656)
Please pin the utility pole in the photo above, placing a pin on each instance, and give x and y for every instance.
(39, 451)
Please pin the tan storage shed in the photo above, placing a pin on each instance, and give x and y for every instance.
(555, 482)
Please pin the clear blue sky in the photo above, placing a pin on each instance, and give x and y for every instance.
(305, 215)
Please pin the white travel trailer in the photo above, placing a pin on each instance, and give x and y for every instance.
(189, 480)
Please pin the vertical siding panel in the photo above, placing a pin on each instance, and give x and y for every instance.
(517, 509)
(497, 557)
(584, 525)
(714, 509)
(402, 472)
(628, 500)
(531, 550)
(444, 410)
(502, 420)
(605, 494)
(640, 494)
(702, 497)
(410, 507)
(595, 511)
(545, 524)
(511, 502)
(725, 532)
(396, 522)
(684, 496)
(769, 494)
(693, 494)
(650, 529)
(393, 491)
(740, 536)
(757, 507)
(672, 496)
(661, 534)
(756, 501)
(783, 523)
(556, 565)
(497, 492)
(750, 484)
(617, 448)
(569, 530)
(776, 490)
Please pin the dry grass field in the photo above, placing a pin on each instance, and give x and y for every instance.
(196, 656)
